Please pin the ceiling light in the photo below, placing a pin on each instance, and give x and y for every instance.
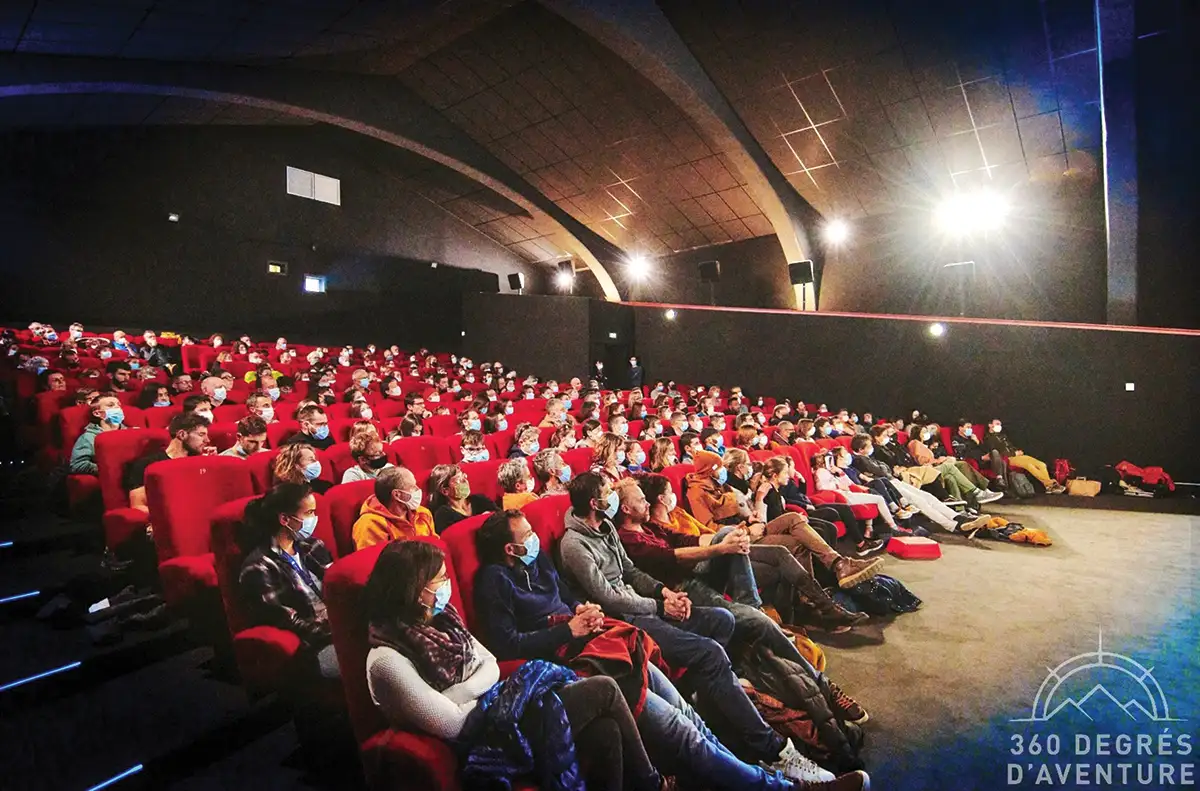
(173, 217)
(937, 329)
(837, 231)
(433, 264)
(671, 314)
(564, 280)
(637, 267)
(962, 213)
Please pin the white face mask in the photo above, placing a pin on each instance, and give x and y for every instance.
(997, 428)
(670, 501)
(267, 413)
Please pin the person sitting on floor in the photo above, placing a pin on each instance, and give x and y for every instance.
(393, 511)
(281, 581)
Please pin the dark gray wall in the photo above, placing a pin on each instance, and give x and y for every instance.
(753, 274)
(546, 335)
(84, 219)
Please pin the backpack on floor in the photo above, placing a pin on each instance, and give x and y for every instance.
(1020, 485)
(1063, 470)
(1110, 480)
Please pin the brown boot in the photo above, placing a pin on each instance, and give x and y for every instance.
(850, 572)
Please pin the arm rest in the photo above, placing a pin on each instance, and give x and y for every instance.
(122, 524)
(263, 654)
(404, 759)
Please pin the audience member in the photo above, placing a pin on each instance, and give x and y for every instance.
(450, 497)
(314, 429)
(393, 511)
(369, 458)
(516, 484)
(251, 438)
(106, 415)
(189, 437)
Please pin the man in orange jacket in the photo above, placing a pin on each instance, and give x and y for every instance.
(393, 511)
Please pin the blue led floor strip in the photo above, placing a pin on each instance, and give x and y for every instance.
(19, 596)
(21, 681)
(5, 544)
(117, 778)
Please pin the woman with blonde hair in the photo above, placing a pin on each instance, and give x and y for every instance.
(563, 438)
(298, 463)
(608, 457)
(409, 427)
(662, 455)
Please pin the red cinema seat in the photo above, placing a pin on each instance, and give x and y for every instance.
(160, 417)
(340, 429)
(441, 425)
(546, 516)
(635, 429)
(578, 459)
(339, 460)
(280, 430)
(71, 423)
(421, 453)
(340, 411)
(392, 758)
(676, 473)
(482, 476)
(947, 437)
(844, 441)
(229, 413)
(114, 451)
(182, 494)
(391, 407)
(827, 443)
(499, 443)
(262, 469)
(222, 436)
(459, 539)
(914, 548)
(345, 501)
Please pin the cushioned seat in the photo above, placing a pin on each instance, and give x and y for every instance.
(186, 578)
(914, 548)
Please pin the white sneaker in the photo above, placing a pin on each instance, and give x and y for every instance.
(800, 768)
(988, 496)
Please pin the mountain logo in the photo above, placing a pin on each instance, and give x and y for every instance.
(1138, 695)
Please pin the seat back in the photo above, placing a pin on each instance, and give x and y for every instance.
(421, 453)
(160, 417)
(339, 459)
(482, 475)
(224, 525)
(280, 430)
(182, 494)
(71, 423)
(261, 467)
(499, 443)
(441, 425)
(344, 584)
(460, 541)
(578, 459)
(677, 474)
(947, 440)
(345, 501)
(546, 515)
(114, 451)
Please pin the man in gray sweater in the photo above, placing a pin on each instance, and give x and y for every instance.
(594, 563)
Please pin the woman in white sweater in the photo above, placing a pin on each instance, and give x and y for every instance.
(426, 672)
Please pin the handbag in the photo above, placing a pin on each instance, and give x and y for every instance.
(1082, 487)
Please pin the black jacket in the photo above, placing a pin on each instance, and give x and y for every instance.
(636, 373)
(871, 465)
(965, 447)
(273, 596)
(999, 442)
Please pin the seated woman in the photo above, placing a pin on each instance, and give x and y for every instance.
(450, 497)
(150, 397)
(470, 420)
(827, 477)
(497, 419)
(427, 672)
(361, 410)
(652, 428)
(408, 427)
(662, 455)
(298, 463)
(635, 458)
(592, 431)
(526, 442)
(898, 504)
(280, 582)
(369, 457)
(551, 472)
(563, 438)
(556, 414)
(822, 428)
(806, 431)
(608, 458)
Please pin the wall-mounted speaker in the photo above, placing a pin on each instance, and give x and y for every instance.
(710, 271)
(566, 268)
(801, 273)
(516, 281)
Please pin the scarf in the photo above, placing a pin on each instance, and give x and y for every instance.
(440, 649)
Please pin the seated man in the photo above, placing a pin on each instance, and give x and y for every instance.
(414, 404)
(119, 374)
(251, 438)
(689, 446)
(314, 428)
(369, 458)
(998, 444)
(121, 341)
(516, 484)
(154, 354)
(551, 471)
(473, 447)
(393, 511)
(690, 637)
(262, 406)
(181, 383)
(189, 437)
(525, 613)
(214, 387)
(106, 415)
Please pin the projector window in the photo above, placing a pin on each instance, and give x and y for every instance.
(314, 284)
(314, 186)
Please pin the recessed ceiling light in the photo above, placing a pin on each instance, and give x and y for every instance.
(173, 217)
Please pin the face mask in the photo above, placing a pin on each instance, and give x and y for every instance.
(104, 355)
(40, 370)
(996, 428)
(885, 440)
(639, 458)
(620, 457)
(827, 430)
(491, 397)
(52, 336)
(312, 470)
(462, 490)
(114, 416)
(135, 365)
(564, 475)
(567, 403)
(502, 425)
(810, 432)
(613, 503)
(205, 413)
(720, 442)
(474, 424)
(476, 455)
(722, 475)
(870, 452)
(441, 597)
(623, 430)
(274, 393)
(218, 394)
(925, 435)
(162, 403)
(267, 413)
(366, 413)
(671, 502)
(322, 432)
(411, 500)
(307, 526)
(508, 409)
(529, 396)
(533, 448)
(761, 440)
(672, 461)
(394, 392)
(658, 429)
(456, 388)
(533, 546)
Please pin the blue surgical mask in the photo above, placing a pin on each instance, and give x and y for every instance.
(219, 394)
(312, 470)
(476, 455)
(308, 526)
(162, 403)
(533, 545)
(623, 430)
(620, 457)
(722, 475)
(564, 475)
(322, 432)
(614, 504)
(474, 424)
(502, 425)
(134, 365)
(114, 416)
(567, 403)
(533, 448)
(274, 393)
(508, 409)
(441, 597)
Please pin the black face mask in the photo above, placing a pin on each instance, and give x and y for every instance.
(378, 464)
(329, 400)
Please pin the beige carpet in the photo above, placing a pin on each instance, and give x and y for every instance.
(997, 616)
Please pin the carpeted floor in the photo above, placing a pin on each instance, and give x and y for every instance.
(942, 684)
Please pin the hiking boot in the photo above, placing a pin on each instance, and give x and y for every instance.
(850, 571)
(797, 766)
(847, 708)
(851, 781)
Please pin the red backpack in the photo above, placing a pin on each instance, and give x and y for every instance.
(1062, 470)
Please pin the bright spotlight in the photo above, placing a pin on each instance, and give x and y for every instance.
(937, 329)
(638, 267)
(837, 231)
(564, 280)
(984, 210)
(671, 314)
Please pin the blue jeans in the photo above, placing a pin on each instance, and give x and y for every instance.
(679, 743)
(696, 644)
(730, 574)
(751, 625)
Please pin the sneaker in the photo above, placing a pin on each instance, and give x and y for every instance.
(953, 502)
(850, 572)
(846, 708)
(909, 511)
(920, 532)
(977, 523)
(868, 548)
(851, 781)
(984, 496)
(796, 766)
